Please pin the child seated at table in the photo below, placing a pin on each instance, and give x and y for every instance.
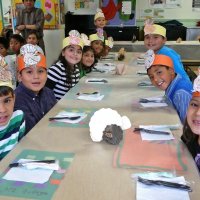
(32, 97)
(97, 43)
(32, 38)
(12, 125)
(100, 23)
(88, 59)
(178, 90)
(108, 46)
(10, 59)
(191, 129)
(16, 42)
(155, 38)
(64, 73)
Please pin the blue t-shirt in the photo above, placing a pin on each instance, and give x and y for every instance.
(178, 66)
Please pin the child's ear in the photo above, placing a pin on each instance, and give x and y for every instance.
(19, 76)
(171, 70)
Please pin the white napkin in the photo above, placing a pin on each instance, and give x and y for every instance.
(105, 67)
(155, 192)
(70, 114)
(96, 80)
(152, 104)
(91, 97)
(32, 172)
(153, 137)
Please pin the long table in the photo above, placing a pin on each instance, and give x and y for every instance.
(91, 174)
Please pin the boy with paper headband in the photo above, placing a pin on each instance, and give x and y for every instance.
(191, 130)
(32, 97)
(178, 90)
(64, 73)
(155, 38)
(12, 125)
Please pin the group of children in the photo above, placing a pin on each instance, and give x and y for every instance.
(39, 89)
(166, 72)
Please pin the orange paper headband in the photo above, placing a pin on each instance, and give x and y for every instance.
(196, 87)
(22, 64)
(162, 60)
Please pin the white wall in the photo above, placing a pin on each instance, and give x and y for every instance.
(185, 12)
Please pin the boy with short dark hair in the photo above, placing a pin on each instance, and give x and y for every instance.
(32, 97)
(12, 125)
(155, 38)
(178, 90)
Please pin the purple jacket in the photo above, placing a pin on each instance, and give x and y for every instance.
(34, 106)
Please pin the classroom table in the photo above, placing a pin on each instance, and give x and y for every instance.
(91, 174)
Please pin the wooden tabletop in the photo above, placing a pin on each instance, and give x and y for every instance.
(91, 175)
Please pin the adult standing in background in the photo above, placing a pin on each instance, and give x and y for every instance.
(31, 18)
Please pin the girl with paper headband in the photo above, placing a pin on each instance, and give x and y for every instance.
(97, 43)
(108, 46)
(88, 58)
(64, 73)
(12, 124)
(191, 130)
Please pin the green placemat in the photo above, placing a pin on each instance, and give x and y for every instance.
(82, 124)
(37, 191)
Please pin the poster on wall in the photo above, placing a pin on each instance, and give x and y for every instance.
(119, 12)
(82, 7)
(155, 13)
(196, 5)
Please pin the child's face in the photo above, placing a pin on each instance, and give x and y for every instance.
(161, 76)
(6, 108)
(100, 22)
(154, 41)
(97, 45)
(193, 115)
(72, 54)
(88, 58)
(15, 45)
(32, 39)
(33, 78)
(106, 50)
(3, 50)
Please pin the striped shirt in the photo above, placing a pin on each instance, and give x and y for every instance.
(57, 79)
(11, 133)
(179, 94)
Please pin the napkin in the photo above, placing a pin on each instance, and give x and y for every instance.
(152, 137)
(105, 67)
(96, 81)
(153, 104)
(91, 97)
(70, 114)
(154, 192)
(32, 172)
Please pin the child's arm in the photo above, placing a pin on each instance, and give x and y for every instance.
(181, 101)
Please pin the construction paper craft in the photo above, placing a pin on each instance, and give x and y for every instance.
(20, 189)
(157, 155)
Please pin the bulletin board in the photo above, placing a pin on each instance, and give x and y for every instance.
(168, 9)
(119, 12)
(82, 7)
